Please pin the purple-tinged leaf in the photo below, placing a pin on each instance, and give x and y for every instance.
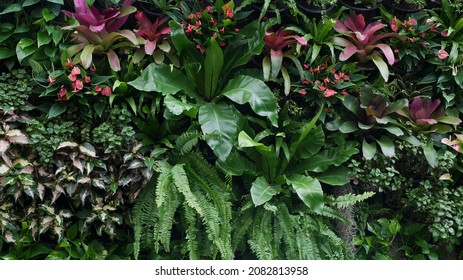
(113, 61)
(381, 65)
(370, 30)
(348, 52)
(388, 53)
(4, 145)
(340, 27)
(449, 120)
(87, 56)
(150, 46)
(276, 57)
(341, 42)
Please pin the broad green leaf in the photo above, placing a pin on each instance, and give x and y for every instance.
(178, 107)
(12, 8)
(246, 89)
(236, 165)
(430, 154)
(381, 65)
(449, 120)
(262, 191)
(368, 149)
(56, 109)
(312, 143)
(308, 189)
(21, 52)
(348, 127)
(394, 130)
(27, 3)
(6, 53)
(162, 78)
(387, 146)
(352, 105)
(43, 38)
(305, 130)
(213, 66)
(56, 1)
(396, 105)
(335, 176)
(219, 126)
(185, 48)
(245, 141)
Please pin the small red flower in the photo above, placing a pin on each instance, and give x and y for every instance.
(62, 93)
(106, 91)
(442, 54)
(302, 92)
(77, 85)
(329, 92)
(209, 9)
(444, 33)
(97, 89)
(228, 12)
(69, 64)
(50, 80)
(87, 79)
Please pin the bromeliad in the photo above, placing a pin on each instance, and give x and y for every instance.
(364, 43)
(275, 43)
(98, 32)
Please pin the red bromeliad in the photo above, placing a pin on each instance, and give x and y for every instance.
(154, 33)
(362, 41)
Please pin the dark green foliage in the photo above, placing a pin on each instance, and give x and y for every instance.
(15, 91)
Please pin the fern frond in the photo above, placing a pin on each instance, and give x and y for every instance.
(144, 213)
(187, 141)
(350, 199)
(288, 234)
(163, 182)
(261, 237)
(191, 232)
(166, 217)
(180, 180)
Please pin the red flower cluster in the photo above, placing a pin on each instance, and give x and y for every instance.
(329, 85)
(79, 80)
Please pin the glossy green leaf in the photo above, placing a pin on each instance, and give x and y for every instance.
(56, 109)
(43, 38)
(335, 176)
(162, 78)
(6, 53)
(368, 149)
(431, 155)
(236, 165)
(213, 66)
(305, 130)
(348, 127)
(312, 143)
(262, 191)
(308, 189)
(396, 105)
(352, 105)
(246, 89)
(219, 127)
(394, 130)
(387, 146)
(381, 65)
(245, 141)
(27, 3)
(12, 8)
(178, 107)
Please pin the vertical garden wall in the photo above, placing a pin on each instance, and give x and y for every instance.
(163, 129)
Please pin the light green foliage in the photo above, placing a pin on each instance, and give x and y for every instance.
(191, 188)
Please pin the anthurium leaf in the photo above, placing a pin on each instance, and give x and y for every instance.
(56, 109)
(236, 165)
(381, 65)
(387, 146)
(262, 191)
(246, 89)
(218, 123)
(335, 176)
(213, 66)
(431, 155)
(162, 78)
(245, 141)
(308, 189)
(348, 127)
(368, 149)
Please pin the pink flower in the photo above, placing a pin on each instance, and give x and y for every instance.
(228, 12)
(209, 9)
(97, 89)
(329, 92)
(69, 64)
(50, 80)
(444, 33)
(78, 85)
(442, 54)
(302, 92)
(106, 91)
(412, 21)
(87, 79)
(394, 24)
(62, 93)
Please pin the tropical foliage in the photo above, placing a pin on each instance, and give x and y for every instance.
(213, 130)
